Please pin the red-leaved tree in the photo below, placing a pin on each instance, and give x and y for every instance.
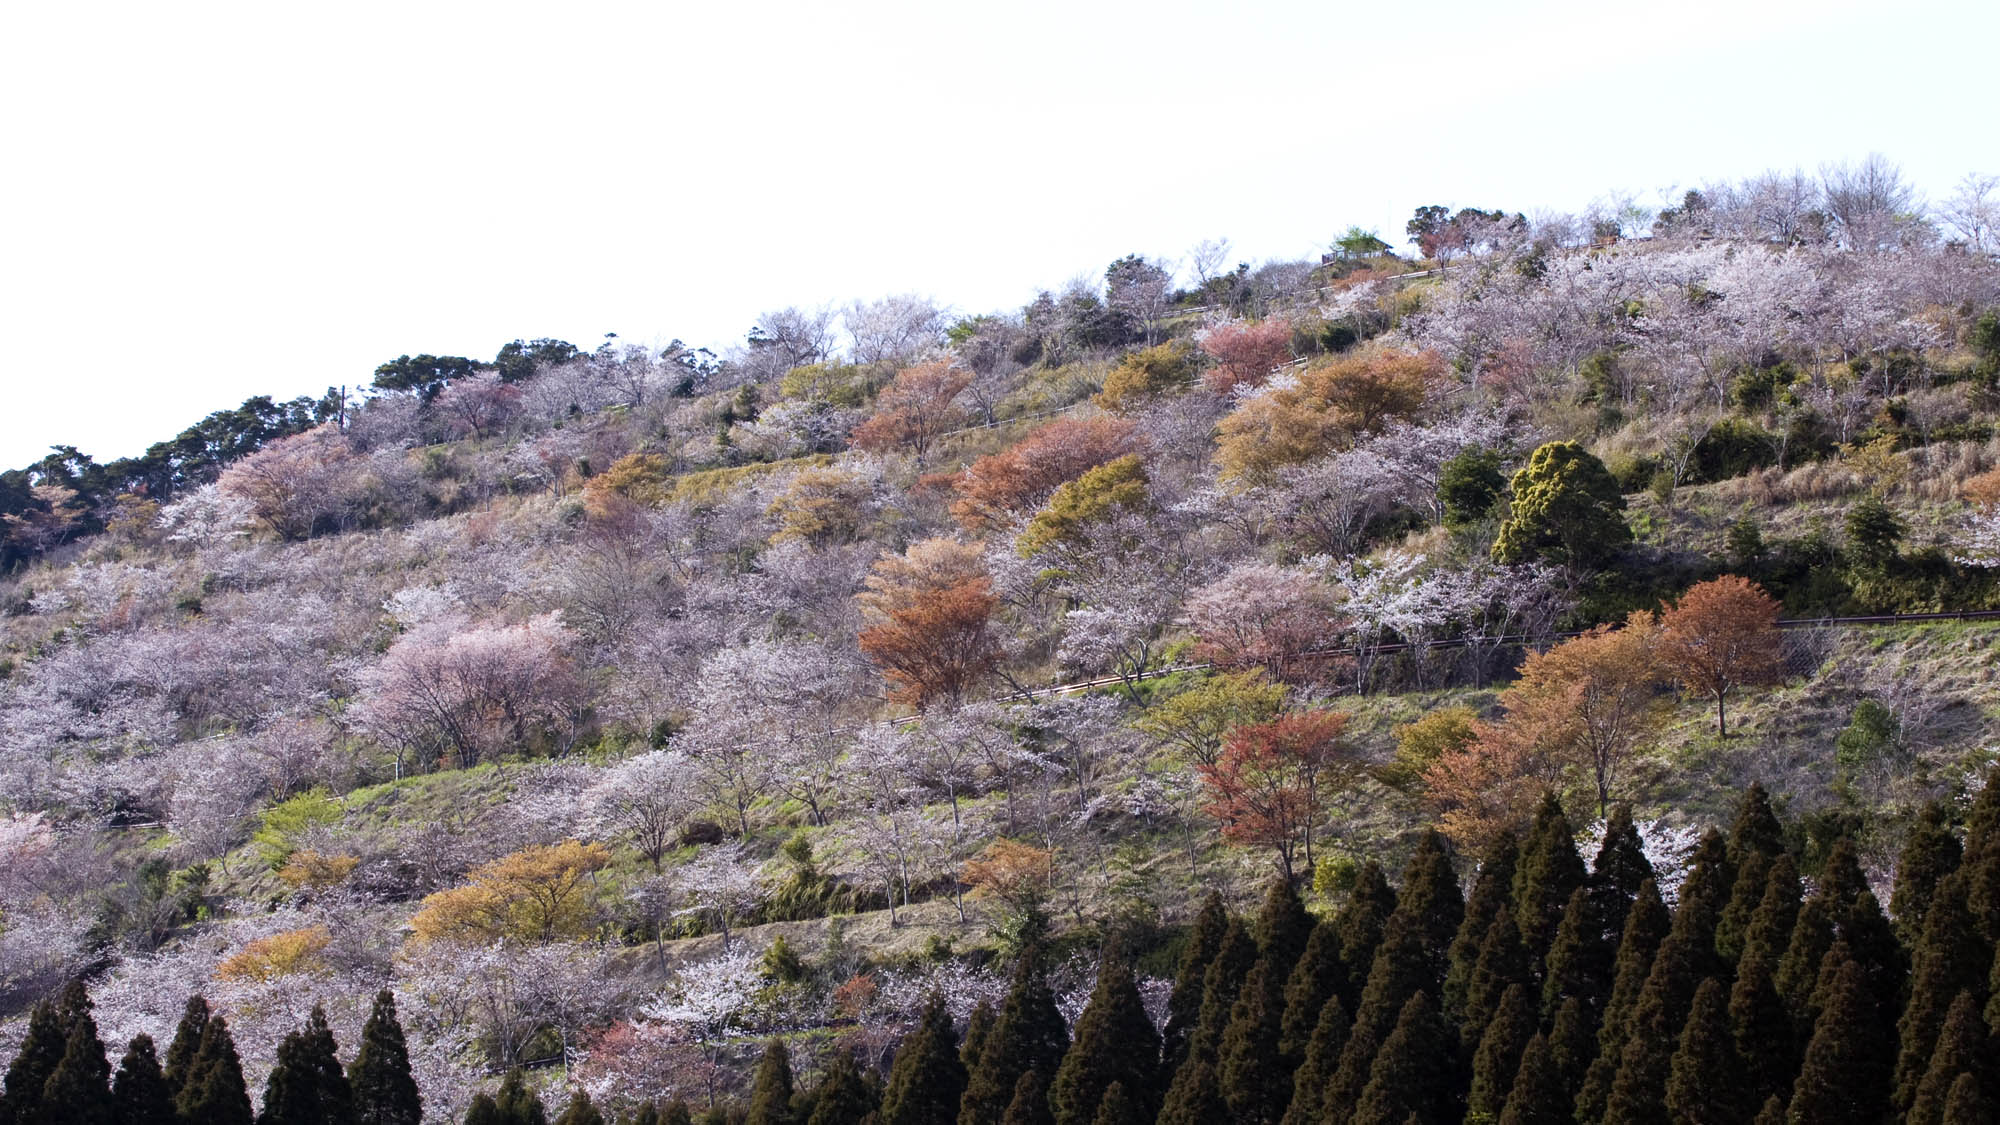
(1015, 481)
(1723, 634)
(1270, 785)
(915, 409)
(1245, 353)
(930, 613)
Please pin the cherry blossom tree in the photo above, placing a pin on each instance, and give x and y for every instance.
(645, 800)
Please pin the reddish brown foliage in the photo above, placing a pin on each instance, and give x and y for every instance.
(1014, 481)
(1245, 353)
(1722, 635)
(930, 611)
(1268, 787)
(914, 410)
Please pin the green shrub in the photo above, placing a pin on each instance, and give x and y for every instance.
(284, 821)
(1870, 736)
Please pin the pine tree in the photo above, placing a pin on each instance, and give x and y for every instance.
(1493, 889)
(1884, 964)
(1221, 984)
(927, 1080)
(1621, 863)
(1537, 1096)
(1756, 830)
(1762, 1031)
(1029, 1104)
(1845, 1077)
(977, 1027)
(482, 1110)
(1498, 1057)
(139, 1092)
(186, 1043)
(1195, 1098)
(1502, 964)
(1703, 1083)
(1581, 958)
(385, 1093)
(844, 1096)
(1798, 969)
(1732, 929)
(215, 1093)
(1402, 969)
(1646, 926)
(1360, 923)
(1322, 1056)
(1028, 1034)
(1184, 1002)
(1703, 895)
(1930, 853)
(1572, 1045)
(1430, 904)
(1967, 1104)
(1252, 1073)
(1314, 980)
(1964, 1046)
(580, 1111)
(1115, 1044)
(41, 1052)
(648, 1113)
(306, 1086)
(1550, 870)
(1120, 1108)
(1952, 961)
(1777, 914)
(771, 1090)
(1282, 928)
(1412, 1074)
(517, 1103)
(1841, 877)
(78, 1091)
(1638, 1092)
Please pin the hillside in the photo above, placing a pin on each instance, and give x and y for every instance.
(618, 710)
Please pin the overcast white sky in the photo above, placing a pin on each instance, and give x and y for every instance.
(200, 201)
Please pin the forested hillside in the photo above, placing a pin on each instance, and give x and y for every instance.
(857, 721)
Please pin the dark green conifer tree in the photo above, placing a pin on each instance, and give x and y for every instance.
(1845, 1077)
(1184, 1002)
(676, 1112)
(1118, 1107)
(1413, 1074)
(1430, 904)
(1322, 1056)
(1221, 984)
(1361, 922)
(139, 1091)
(214, 1093)
(482, 1110)
(1762, 1031)
(1841, 877)
(648, 1113)
(1572, 1045)
(1282, 928)
(1253, 1074)
(580, 1111)
(1964, 1046)
(1757, 830)
(1502, 964)
(927, 1079)
(306, 1086)
(1704, 894)
(1773, 1112)
(1195, 1098)
(1704, 1085)
(517, 1103)
(1967, 1104)
(1871, 940)
(1646, 927)
(1549, 871)
(1930, 853)
(385, 1093)
(1498, 1057)
(1028, 1034)
(1621, 863)
(1314, 980)
(1115, 1044)
(1732, 929)
(1030, 1102)
(1491, 890)
(42, 1050)
(1537, 1096)
(78, 1092)
(1777, 913)
(1581, 959)
(1798, 969)
(186, 1042)
(771, 1089)
(977, 1027)
(1952, 960)
(1403, 967)
(1638, 1092)
(844, 1095)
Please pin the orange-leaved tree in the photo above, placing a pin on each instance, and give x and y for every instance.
(996, 488)
(1271, 783)
(914, 409)
(1324, 410)
(1721, 635)
(538, 894)
(1245, 352)
(929, 613)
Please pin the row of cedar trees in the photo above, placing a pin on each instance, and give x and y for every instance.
(61, 1075)
(1554, 992)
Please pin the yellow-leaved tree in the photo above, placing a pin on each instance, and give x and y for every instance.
(538, 893)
